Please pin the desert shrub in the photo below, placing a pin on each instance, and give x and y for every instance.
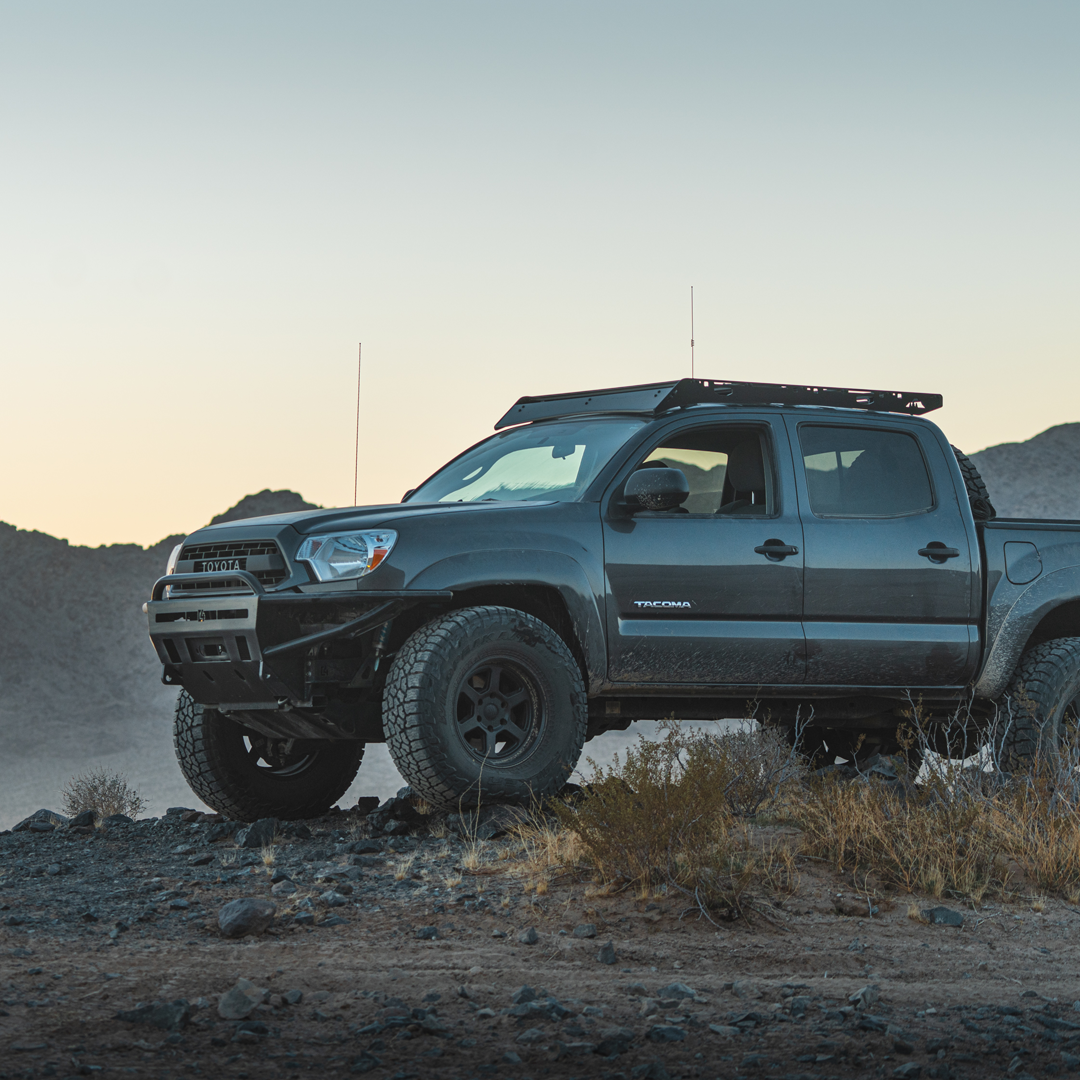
(104, 792)
(665, 816)
(934, 839)
(970, 827)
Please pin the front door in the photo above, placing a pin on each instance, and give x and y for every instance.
(880, 607)
(710, 594)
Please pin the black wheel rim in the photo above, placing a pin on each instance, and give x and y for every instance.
(498, 712)
(282, 759)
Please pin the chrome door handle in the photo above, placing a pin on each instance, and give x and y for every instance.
(776, 549)
(937, 552)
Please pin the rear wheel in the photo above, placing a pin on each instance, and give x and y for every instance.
(246, 776)
(1042, 703)
(485, 704)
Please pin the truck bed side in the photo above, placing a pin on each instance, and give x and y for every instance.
(1032, 589)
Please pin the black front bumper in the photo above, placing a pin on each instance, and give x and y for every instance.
(258, 650)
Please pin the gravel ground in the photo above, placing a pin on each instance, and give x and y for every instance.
(388, 957)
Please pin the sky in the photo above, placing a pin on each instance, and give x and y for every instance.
(205, 207)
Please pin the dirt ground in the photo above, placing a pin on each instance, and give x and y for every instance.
(98, 924)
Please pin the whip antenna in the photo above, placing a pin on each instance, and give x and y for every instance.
(356, 459)
(691, 331)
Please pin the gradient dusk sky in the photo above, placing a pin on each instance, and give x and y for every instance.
(205, 206)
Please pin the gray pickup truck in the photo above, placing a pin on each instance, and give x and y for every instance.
(690, 549)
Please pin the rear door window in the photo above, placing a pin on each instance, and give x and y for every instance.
(864, 472)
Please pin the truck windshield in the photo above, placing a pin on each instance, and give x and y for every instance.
(553, 461)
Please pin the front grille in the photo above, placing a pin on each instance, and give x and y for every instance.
(262, 558)
(231, 549)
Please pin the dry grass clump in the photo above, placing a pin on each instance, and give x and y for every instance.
(932, 839)
(968, 829)
(104, 792)
(667, 815)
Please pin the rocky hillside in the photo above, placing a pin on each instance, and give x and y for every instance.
(79, 682)
(1038, 478)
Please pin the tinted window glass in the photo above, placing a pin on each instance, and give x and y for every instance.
(552, 460)
(726, 468)
(860, 472)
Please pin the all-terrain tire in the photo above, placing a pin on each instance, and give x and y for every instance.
(1041, 707)
(469, 679)
(982, 508)
(246, 776)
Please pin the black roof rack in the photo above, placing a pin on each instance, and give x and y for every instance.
(653, 398)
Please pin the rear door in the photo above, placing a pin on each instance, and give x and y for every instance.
(891, 578)
(710, 594)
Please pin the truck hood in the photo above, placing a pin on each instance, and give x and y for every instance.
(307, 522)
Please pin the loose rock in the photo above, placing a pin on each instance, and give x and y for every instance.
(943, 916)
(248, 915)
(239, 1002)
(259, 835)
(170, 1017)
(606, 955)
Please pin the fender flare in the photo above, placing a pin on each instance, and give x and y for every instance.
(523, 566)
(1009, 628)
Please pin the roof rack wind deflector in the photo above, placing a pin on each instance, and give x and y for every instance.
(649, 399)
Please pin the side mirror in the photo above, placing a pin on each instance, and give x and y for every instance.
(656, 489)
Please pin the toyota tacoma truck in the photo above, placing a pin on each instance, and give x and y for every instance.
(673, 550)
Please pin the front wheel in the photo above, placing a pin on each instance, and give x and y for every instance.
(485, 704)
(247, 776)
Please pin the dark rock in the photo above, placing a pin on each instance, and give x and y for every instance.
(574, 1049)
(607, 955)
(510, 1058)
(304, 918)
(117, 819)
(365, 804)
(528, 936)
(943, 916)
(910, 1070)
(216, 833)
(331, 898)
(652, 1070)
(665, 1033)
(365, 1063)
(40, 817)
(872, 1023)
(489, 823)
(334, 920)
(248, 915)
(240, 1002)
(259, 835)
(427, 933)
(170, 1017)
(522, 995)
(676, 992)
(283, 888)
(203, 859)
(88, 818)
(585, 930)
(364, 847)
(614, 1040)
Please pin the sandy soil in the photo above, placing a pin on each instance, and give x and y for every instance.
(772, 997)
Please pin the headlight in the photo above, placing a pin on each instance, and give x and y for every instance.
(346, 555)
(174, 558)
